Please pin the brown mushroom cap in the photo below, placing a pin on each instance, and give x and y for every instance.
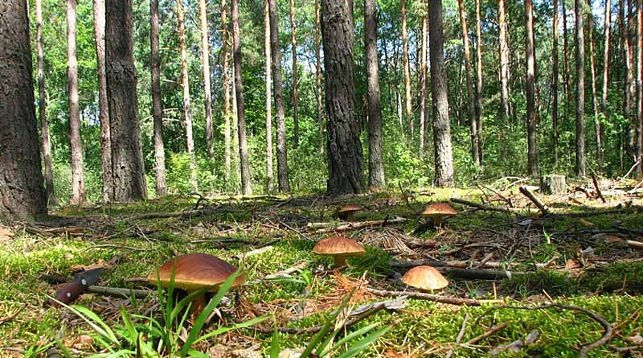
(425, 278)
(438, 210)
(194, 271)
(350, 208)
(340, 247)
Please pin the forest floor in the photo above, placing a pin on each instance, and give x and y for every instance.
(521, 283)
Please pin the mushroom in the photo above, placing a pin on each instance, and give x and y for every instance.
(438, 211)
(425, 278)
(340, 248)
(347, 212)
(193, 272)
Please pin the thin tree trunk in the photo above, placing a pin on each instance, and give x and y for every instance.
(295, 81)
(270, 176)
(423, 84)
(580, 90)
(441, 124)
(226, 89)
(375, 162)
(606, 56)
(157, 105)
(127, 156)
(469, 79)
(42, 108)
(504, 59)
(629, 80)
(567, 67)
(319, 76)
(478, 102)
(76, 144)
(532, 149)
(205, 65)
(22, 194)
(592, 68)
(246, 186)
(105, 140)
(554, 87)
(344, 147)
(639, 85)
(187, 107)
(275, 50)
(407, 70)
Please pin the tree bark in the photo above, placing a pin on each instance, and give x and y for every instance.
(187, 107)
(225, 50)
(530, 55)
(407, 69)
(75, 141)
(319, 76)
(157, 105)
(554, 86)
(639, 85)
(295, 80)
(205, 66)
(270, 176)
(629, 81)
(127, 156)
(246, 186)
(567, 67)
(275, 51)
(103, 105)
(580, 90)
(479, 81)
(504, 59)
(375, 162)
(42, 108)
(592, 69)
(345, 166)
(423, 84)
(469, 80)
(22, 194)
(441, 124)
(606, 56)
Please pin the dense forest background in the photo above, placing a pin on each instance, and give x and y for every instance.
(407, 155)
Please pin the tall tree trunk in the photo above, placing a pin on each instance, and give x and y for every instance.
(375, 162)
(606, 56)
(157, 105)
(479, 81)
(225, 50)
(76, 144)
(187, 107)
(275, 51)
(407, 69)
(567, 67)
(319, 76)
(469, 79)
(345, 161)
(205, 66)
(532, 149)
(580, 90)
(592, 68)
(42, 108)
(295, 80)
(554, 86)
(270, 176)
(127, 156)
(504, 59)
(629, 79)
(639, 85)
(246, 186)
(105, 136)
(22, 194)
(423, 83)
(441, 124)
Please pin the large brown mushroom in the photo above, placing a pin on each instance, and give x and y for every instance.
(340, 248)
(437, 212)
(347, 212)
(425, 278)
(193, 272)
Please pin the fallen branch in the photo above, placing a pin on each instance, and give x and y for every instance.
(542, 207)
(450, 263)
(119, 291)
(355, 225)
(180, 214)
(517, 345)
(484, 206)
(13, 315)
(426, 296)
(598, 190)
(474, 274)
(493, 330)
(458, 339)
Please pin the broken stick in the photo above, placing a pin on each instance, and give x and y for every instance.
(542, 207)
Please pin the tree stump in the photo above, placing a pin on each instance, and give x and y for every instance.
(553, 184)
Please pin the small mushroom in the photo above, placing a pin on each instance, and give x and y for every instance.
(438, 211)
(425, 278)
(193, 272)
(347, 212)
(340, 248)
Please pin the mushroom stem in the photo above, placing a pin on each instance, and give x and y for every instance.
(339, 261)
(198, 304)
